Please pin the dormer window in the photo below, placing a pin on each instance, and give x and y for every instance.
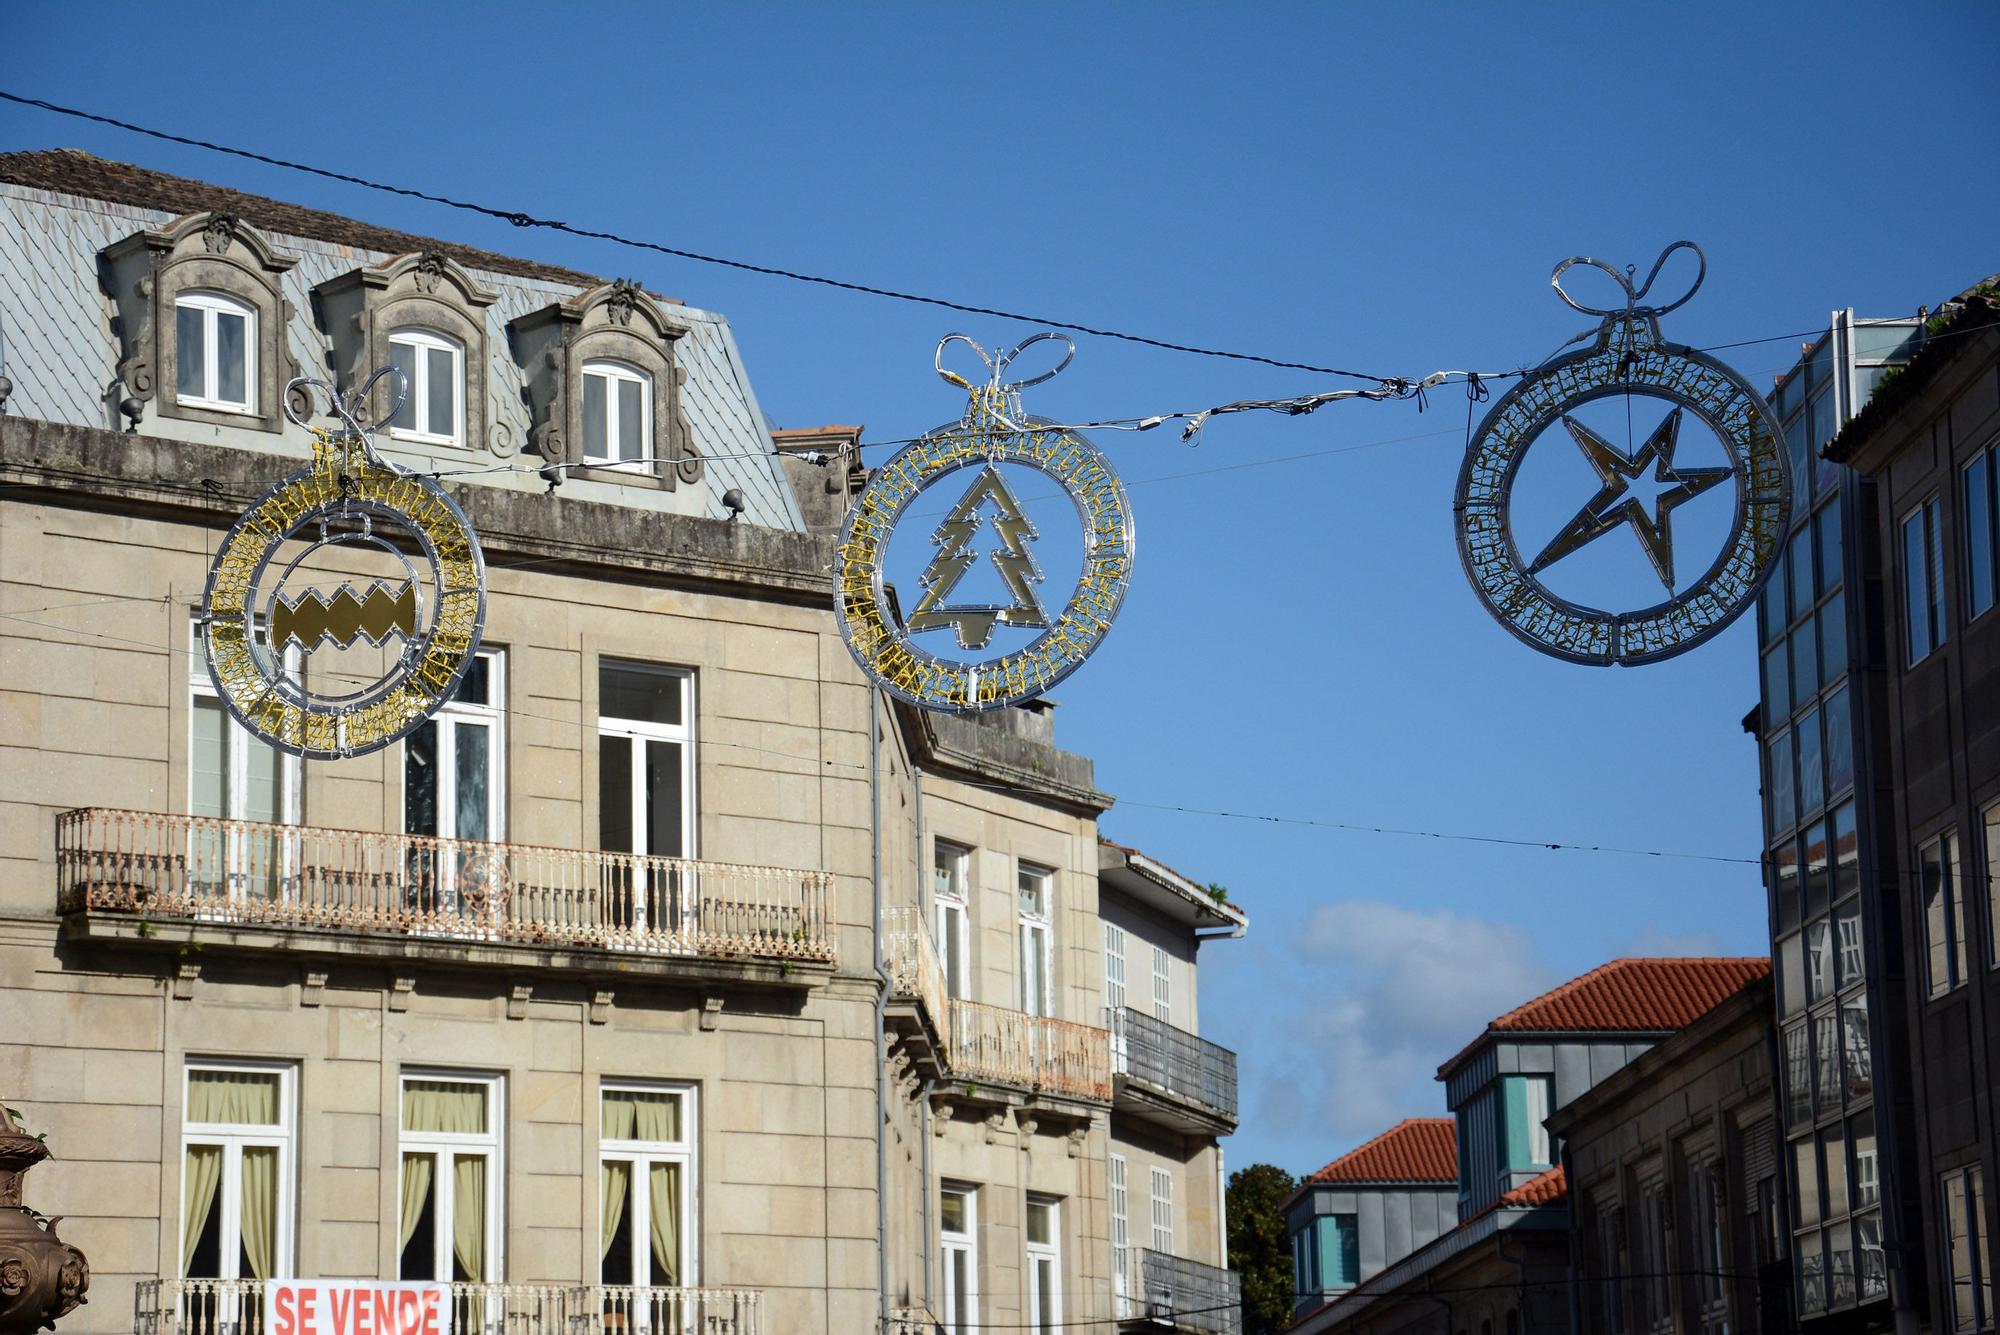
(617, 412)
(215, 346)
(434, 367)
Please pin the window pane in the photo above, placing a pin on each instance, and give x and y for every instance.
(419, 1217)
(1846, 853)
(1847, 941)
(1869, 1258)
(403, 357)
(631, 420)
(1785, 884)
(1777, 685)
(453, 1106)
(1792, 972)
(441, 393)
(664, 835)
(1828, 524)
(1954, 893)
(1839, 743)
(614, 794)
(1798, 1077)
(1835, 1140)
(1916, 593)
(1993, 881)
(468, 1223)
(639, 694)
(476, 686)
(1771, 613)
(1816, 870)
(231, 350)
(594, 424)
(1826, 1060)
(420, 814)
(1833, 637)
(1038, 1222)
(1784, 804)
(1867, 1185)
(471, 773)
(1854, 1041)
(1979, 532)
(208, 793)
(951, 1211)
(1934, 526)
(236, 1098)
(1958, 1249)
(1819, 959)
(1802, 571)
(1812, 777)
(1805, 666)
(640, 1114)
(190, 353)
(1805, 1181)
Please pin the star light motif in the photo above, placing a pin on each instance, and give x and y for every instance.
(1612, 505)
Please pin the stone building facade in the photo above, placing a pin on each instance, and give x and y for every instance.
(612, 996)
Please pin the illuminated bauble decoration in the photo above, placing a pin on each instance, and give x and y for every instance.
(1625, 355)
(993, 432)
(347, 602)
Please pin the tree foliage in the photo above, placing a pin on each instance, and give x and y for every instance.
(1258, 1248)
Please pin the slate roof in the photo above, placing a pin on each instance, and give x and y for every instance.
(1548, 1189)
(1416, 1149)
(1636, 995)
(60, 208)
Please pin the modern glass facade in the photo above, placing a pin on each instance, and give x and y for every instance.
(1832, 918)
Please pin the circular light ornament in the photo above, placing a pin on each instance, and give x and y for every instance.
(269, 611)
(994, 431)
(1626, 356)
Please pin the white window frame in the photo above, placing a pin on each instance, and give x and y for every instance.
(1121, 1237)
(493, 715)
(959, 1311)
(951, 900)
(234, 1138)
(614, 372)
(1163, 1211)
(1037, 937)
(211, 304)
(237, 742)
(1051, 1253)
(639, 732)
(641, 1155)
(1114, 992)
(445, 1147)
(426, 341)
(1163, 985)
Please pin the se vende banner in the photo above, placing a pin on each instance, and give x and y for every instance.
(355, 1307)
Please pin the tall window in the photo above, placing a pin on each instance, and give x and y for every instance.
(1339, 1262)
(645, 790)
(951, 872)
(452, 763)
(617, 412)
(233, 776)
(1121, 1237)
(1992, 823)
(433, 367)
(1966, 1249)
(1654, 1288)
(1706, 1248)
(1044, 1265)
(958, 1248)
(1114, 962)
(646, 1174)
(1923, 579)
(237, 1211)
(1163, 1212)
(1944, 912)
(1611, 1264)
(1982, 531)
(1163, 987)
(1526, 1135)
(450, 1181)
(1032, 888)
(215, 352)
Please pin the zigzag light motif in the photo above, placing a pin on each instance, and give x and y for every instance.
(374, 616)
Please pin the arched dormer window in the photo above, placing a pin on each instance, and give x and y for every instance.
(424, 314)
(604, 389)
(201, 321)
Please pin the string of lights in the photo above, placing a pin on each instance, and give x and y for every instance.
(1546, 845)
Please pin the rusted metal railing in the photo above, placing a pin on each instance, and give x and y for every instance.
(1172, 1060)
(1183, 1294)
(915, 972)
(1034, 1052)
(236, 1307)
(235, 871)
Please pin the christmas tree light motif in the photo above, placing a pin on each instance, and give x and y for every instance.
(1016, 564)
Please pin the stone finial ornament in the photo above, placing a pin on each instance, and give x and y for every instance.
(41, 1276)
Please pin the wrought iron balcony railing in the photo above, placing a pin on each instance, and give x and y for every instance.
(236, 1307)
(203, 869)
(915, 972)
(1173, 1061)
(1034, 1052)
(1180, 1294)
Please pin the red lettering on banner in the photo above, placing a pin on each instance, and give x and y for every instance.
(364, 1315)
(308, 1300)
(342, 1301)
(287, 1322)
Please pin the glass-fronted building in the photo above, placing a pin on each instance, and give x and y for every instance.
(1829, 874)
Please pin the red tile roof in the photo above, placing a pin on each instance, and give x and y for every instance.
(1547, 1189)
(1417, 1149)
(1637, 994)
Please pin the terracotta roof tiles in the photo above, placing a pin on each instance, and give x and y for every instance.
(1417, 1149)
(1548, 1189)
(1637, 994)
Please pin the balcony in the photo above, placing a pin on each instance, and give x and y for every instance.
(917, 991)
(1173, 1293)
(236, 1307)
(1032, 1053)
(138, 876)
(1169, 1076)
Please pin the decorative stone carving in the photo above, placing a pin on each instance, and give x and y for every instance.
(518, 997)
(400, 992)
(600, 1005)
(994, 1122)
(312, 987)
(1077, 1137)
(185, 977)
(41, 1276)
(711, 1010)
(620, 322)
(941, 1115)
(215, 252)
(1025, 1125)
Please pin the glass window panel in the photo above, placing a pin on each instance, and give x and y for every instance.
(1955, 897)
(1039, 1229)
(1805, 1181)
(1798, 1077)
(664, 835)
(1812, 1272)
(420, 776)
(476, 686)
(1835, 1141)
(260, 788)
(639, 694)
(473, 767)
(1826, 1060)
(1833, 637)
(1916, 593)
(1847, 942)
(595, 424)
(1846, 852)
(614, 794)
(231, 358)
(234, 1098)
(1819, 958)
(1839, 743)
(1777, 685)
(951, 1211)
(208, 791)
(1828, 524)
(1812, 775)
(1839, 1263)
(631, 420)
(403, 357)
(454, 1106)
(1792, 972)
(1883, 342)
(441, 392)
(1869, 1258)
(640, 1114)
(1034, 892)
(190, 353)
(1805, 666)
(1958, 1250)
(1860, 1070)
(1993, 882)
(1784, 789)
(1795, 445)
(1816, 870)
(1934, 525)
(1771, 604)
(1979, 546)
(1802, 572)
(1785, 884)
(1867, 1183)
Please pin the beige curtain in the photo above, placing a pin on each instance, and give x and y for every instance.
(246, 1098)
(468, 1225)
(260, 1208)
(634, 1114)
(417, 1169)
(617, 1182)
(666, 1203)
(442, 1105)
(200, 1178)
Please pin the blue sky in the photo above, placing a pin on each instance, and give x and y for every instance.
(1379, 190)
